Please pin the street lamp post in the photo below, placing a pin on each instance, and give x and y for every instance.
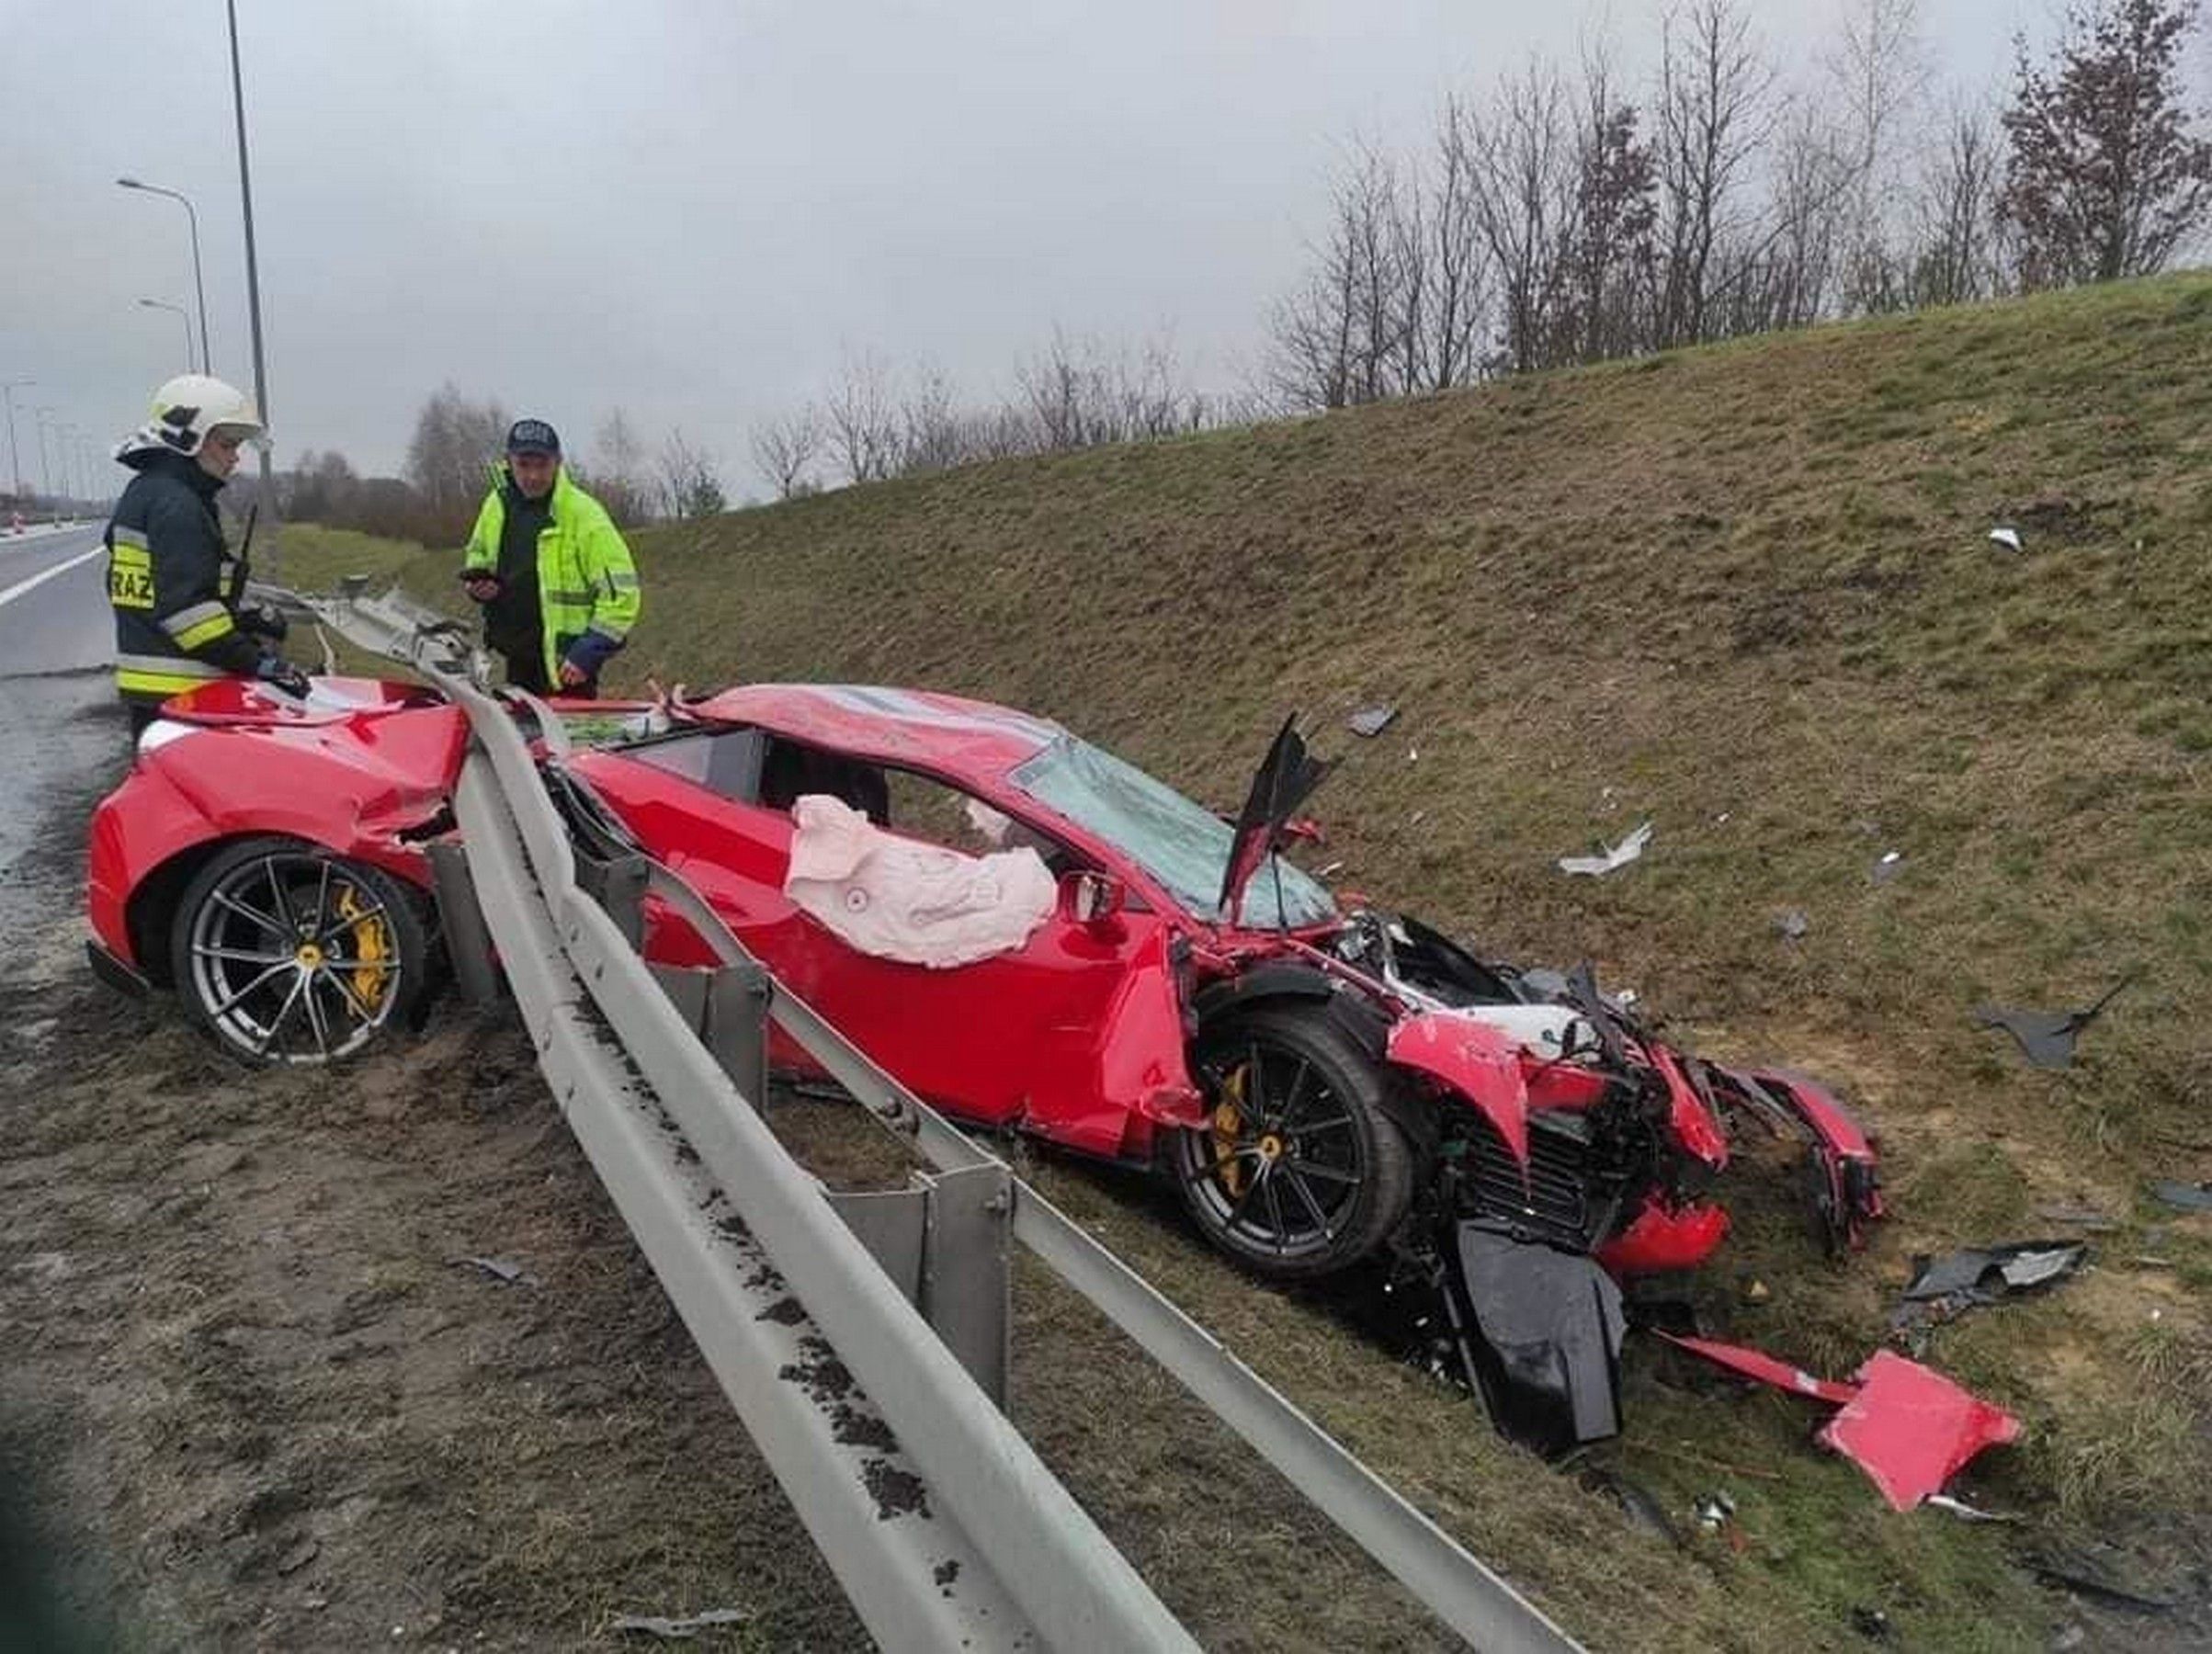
(267, 494)
(15, 461)
(179, 311)
(46, 474)
(199, 284)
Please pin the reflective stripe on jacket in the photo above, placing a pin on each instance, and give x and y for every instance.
(587, 582)
(172, 583)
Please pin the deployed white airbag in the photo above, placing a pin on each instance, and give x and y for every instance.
(895, 898)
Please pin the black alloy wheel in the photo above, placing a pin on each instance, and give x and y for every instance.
(1301, 1170)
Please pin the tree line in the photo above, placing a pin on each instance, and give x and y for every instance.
(1558, 216)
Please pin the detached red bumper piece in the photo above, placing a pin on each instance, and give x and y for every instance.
(1907, 1426)
(1912, 1428)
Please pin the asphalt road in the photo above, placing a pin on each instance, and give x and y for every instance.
(62, 737)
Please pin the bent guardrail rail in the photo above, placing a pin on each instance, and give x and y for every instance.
(771, 1276)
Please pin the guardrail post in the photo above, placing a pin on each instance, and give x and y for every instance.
(966, 1276)
(945, 1242)
(735, 1026)
(618, 886)
(467, 942)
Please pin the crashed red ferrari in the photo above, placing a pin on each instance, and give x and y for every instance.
(1036, 936)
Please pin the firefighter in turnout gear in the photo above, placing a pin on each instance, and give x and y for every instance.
(559, 590)
(180, 620)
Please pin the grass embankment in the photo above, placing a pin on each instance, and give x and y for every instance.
(1746, 592)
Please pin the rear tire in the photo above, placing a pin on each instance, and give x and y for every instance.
(1302, 1170)
(285, 952)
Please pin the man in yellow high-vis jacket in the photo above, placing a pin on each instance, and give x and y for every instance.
(558, 588)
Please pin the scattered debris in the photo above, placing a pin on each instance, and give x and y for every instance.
(2093, 1575)
(1619, 855)
(1331, 871)
(2184, 1197)
(1759, 1365)
(1639, 1503)
(682, 1630)
(2018, 1265)
(1370, 721)
(1873, 1624)
(2006, 536)
(1965, 1511)
(506, 1274)
(2082, 1217)
(1714, 1511)
(2047, 1037)
(298, 1557)
(1412, 755)
(1891, 864)
(1910, 1428)
(1792, 923)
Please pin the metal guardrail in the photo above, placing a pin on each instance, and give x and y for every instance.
(771, 1276)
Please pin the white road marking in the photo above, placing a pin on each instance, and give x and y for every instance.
(21, 586)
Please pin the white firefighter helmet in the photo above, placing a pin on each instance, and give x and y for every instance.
(192, 404)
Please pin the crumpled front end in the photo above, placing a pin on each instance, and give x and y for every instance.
(1575, 1151)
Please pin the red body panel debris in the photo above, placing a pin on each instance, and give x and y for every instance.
(1767, 1369)
(1911, 1429)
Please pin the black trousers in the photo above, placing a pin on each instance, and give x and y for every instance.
(527, 671)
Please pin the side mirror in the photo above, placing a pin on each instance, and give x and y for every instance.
(1091, 899)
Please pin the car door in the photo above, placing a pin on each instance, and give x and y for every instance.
(1075, 1035)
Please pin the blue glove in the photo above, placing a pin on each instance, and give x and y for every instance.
(590, 652)
(279, 674)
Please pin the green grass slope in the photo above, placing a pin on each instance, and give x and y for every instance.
(1745, 592)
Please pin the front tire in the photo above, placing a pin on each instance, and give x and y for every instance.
(284, 952)
(1302, 1170)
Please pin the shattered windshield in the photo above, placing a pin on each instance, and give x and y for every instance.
(1176, 841)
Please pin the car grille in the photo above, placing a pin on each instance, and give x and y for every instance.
(1557, 1203)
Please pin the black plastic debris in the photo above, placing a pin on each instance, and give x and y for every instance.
(1942, 1289)
(1544, 1339)
(1372, 721)
(2184, 1196)
(2098, 1574)
(2047, 1037)
(499, 1269)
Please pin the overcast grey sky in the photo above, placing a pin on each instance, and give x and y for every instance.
(686, 208)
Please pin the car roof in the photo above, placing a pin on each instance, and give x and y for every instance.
(966, 739)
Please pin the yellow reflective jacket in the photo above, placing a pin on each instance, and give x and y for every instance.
(586, 580)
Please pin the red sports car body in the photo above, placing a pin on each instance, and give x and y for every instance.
(1326, 1088)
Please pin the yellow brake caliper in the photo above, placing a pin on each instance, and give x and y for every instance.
(372, 947)
(1228, 1123)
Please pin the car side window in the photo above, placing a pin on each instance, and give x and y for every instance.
(790, 768)
(725, 761)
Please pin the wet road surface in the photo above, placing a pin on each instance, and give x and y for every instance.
(63, 735)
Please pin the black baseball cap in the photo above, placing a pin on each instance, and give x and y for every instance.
(532, 436)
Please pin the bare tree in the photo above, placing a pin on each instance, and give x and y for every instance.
(1878, 74)
(691, 484)
(2103, 176)
(1606, 254)
(1956, 250)
(863, 419)
(1337, 341)
(455, 443)
(1715, 112)
(1520, 156)
(1454, 285)
(616, 472)
(785, 449)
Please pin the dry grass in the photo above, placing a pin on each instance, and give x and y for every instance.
(1746, 592)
